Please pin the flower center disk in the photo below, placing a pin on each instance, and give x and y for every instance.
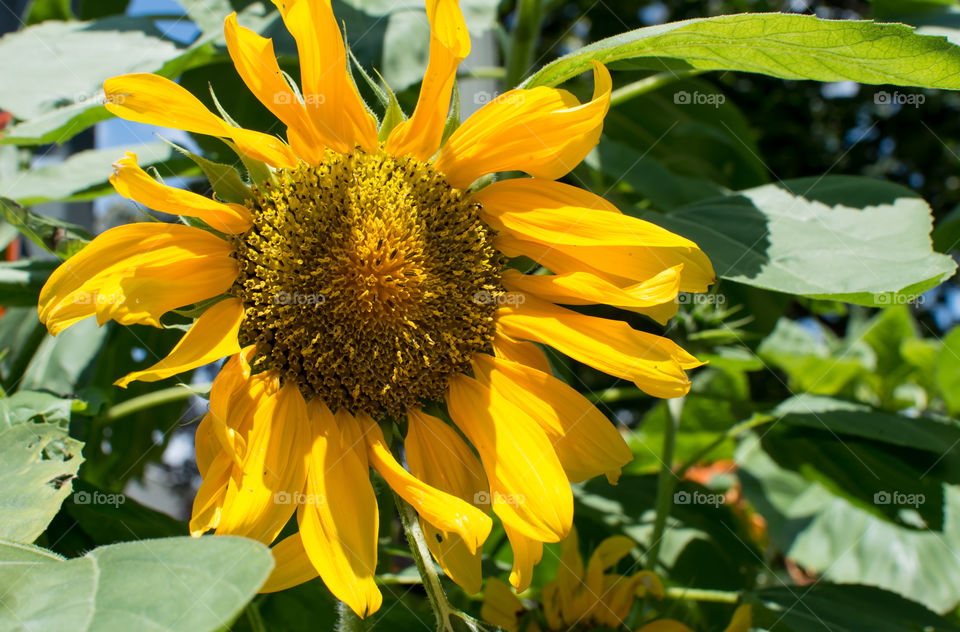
(362, 281)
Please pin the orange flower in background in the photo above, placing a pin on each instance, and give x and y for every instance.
(364, 281)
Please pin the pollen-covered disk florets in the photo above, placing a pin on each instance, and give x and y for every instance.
(363, 281)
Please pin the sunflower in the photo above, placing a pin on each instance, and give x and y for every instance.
(362, 282)
(589, 598)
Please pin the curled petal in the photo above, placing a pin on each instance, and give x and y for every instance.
(135, 273)
(588, 232)
(133, 183)
(444, 511)
(527, 553)
(655, 364)
(545, 132)
(520, 351)
(438, 456)
(212, 336)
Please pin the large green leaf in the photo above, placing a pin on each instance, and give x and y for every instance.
(838, 608)
(948, 371)
(59, 362)
(55, 71)
(20, 281)
(37, 461)
(52, 235)
(776, 44)
(82, 176)
(828, 535)
(173, 584)
(849, 238)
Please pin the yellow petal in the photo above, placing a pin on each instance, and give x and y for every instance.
(545, 132)
(547, 215)
(655, 364)
(273, 474)
(212, 336)
(135, 273)
(605, 556)
(133, 183)
(291, 566)
(615, 602)
(205, 444)
(256, 62)
(523, 352)
(439, 457)
(208, 503)
(339, 529)
(584, 288)
(649, 582)
(587, 444)
(528, 488)
(574, 602)
(332, 101)
(550, 601)
(234, 398)
(155, 100)
(501, 607)
(527, 553)
(444, 511)
(742, 619)
(449, 45)
(665, 625)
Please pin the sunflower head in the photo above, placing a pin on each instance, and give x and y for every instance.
(362, 280)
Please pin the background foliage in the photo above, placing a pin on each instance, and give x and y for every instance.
(827, 419)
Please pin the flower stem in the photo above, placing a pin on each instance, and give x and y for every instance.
(156, 398)
(523, 41)
(347, 619)
(703, 594)
(442, 609)
(666, 481)
(649, 84)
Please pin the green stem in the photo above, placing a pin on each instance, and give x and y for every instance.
(149, 400)
(756, 420)
(421, 556)
(523, 40)
(484, 72)
(703, 594)
(649, 84)
(442, 609)
(348, 620)
(666, 481)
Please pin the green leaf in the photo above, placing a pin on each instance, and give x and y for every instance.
(51, 235)
(37, 461)
(20, 281)
(82, 176)
(828, 535)
(26, 406)
(847, 238)
(889, 465)
(827, 607)
(224, 179)
(948, 371)
(780, 45)
(813, 359)
(176, 584)
(59, 362)
(648, 177)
